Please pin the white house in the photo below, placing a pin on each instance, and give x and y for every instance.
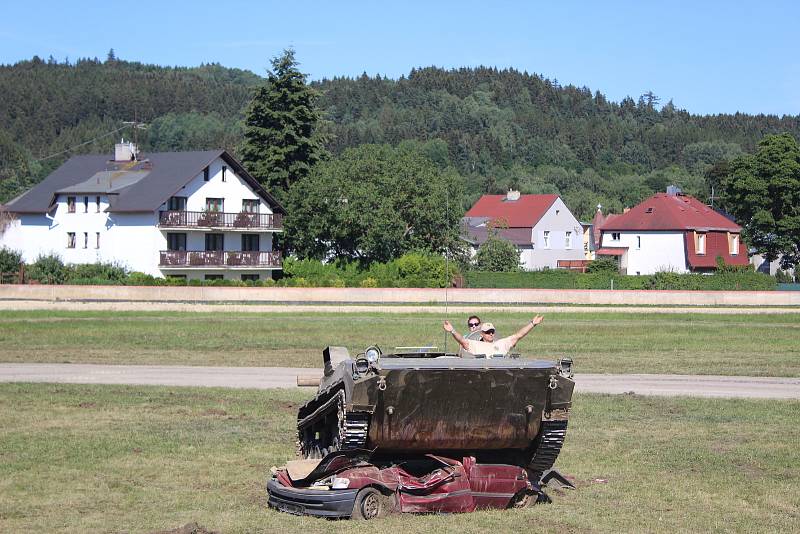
(671, 232)
(195, 215)
(541, 226)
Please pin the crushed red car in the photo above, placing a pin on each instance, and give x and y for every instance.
(344, 484)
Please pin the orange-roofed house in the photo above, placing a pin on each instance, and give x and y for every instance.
(671, 232)
(540, 226)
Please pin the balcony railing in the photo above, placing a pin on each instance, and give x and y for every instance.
(219, 219)
(219, 258)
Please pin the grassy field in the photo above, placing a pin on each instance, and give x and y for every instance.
(756, 345)
(135, 459)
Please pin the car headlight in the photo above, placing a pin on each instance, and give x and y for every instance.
(340, 483)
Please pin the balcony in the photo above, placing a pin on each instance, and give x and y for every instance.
(217, 219)
(218, 259)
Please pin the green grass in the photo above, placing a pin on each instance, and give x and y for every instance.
(137, 459)
(603, 342)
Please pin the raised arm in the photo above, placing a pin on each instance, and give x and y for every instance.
(522, 332)
(458, 337)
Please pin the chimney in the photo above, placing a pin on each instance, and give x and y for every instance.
(125, 151)
(673, 190)
(625, 210)
(512, 195)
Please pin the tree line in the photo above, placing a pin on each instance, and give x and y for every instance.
(468, 131)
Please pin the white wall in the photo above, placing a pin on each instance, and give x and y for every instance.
(650, 252)
(558, 220)
(233, 190)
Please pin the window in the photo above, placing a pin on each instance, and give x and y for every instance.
(250, 206)
(250, 277)
(215, 242)
(215, 204)
(176, 241)
(224, 173)
(97, 241)
(177, 276)
(206, 174)
(735, 245)
(615, 236)
(546, 238)
(176, 204)
(97, 202)
(85, 239)
(85, 204)
(213, 277)
(70, 239)
(638, 241)
(250, 242)
(71, 204)
(568, 240)
(701, 243)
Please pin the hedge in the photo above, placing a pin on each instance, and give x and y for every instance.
(563, 279)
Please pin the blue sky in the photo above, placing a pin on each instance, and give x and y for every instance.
(709, 57)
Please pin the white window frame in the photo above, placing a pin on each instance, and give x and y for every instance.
(546, 239)
(735, 245)
(616, 236)
(701, 243)
(71, 239)
(568, 240)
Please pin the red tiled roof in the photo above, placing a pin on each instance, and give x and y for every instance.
(598, 221)
(522, 213)
(716, 245)
(670, 212)
(611, 251)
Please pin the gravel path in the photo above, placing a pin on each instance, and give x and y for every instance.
(286, 377)
(19, 305)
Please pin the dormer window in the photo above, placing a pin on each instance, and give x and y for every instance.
(735, 245)
(701, 244)
(649, 210)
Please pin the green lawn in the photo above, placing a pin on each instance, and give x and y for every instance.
(136, 459)
(603, 342)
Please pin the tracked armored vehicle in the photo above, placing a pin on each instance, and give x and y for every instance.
(498, 410)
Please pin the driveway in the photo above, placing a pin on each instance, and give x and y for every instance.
(287, 377)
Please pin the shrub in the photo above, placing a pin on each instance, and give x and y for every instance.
(48, 269)
(141, 279)
(497, 255)
(603, 265)
(368, 282)
(10, 261)
(108, 272)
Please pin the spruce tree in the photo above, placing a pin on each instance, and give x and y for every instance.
(280, 145)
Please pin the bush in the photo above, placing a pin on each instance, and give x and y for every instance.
(497, 255)
(603, 265)
(104, 272)
(10, 261)
(142, 279)
(48, 269)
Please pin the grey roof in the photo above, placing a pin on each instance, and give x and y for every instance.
(140, 186)
(475, 231)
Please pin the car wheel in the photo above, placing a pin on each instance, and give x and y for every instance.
(370, 504)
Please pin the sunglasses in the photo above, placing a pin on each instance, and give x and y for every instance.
(474, 325)
(489, 332)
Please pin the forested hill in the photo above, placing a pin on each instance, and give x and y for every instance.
(498, 128)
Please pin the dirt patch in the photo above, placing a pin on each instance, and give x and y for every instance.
(215, 411)
(188, 528)
(87, 404)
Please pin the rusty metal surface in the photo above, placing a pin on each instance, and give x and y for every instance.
(476, 408)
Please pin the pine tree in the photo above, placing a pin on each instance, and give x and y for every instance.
(280, 145)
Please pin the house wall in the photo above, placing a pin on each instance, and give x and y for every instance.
(558, 220)
(233, 190)
(659, 251)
